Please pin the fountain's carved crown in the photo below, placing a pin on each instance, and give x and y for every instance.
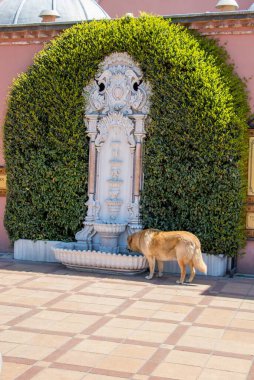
(118, 87)
(119, 59)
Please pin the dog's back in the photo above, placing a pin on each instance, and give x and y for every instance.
(176, 245)
(163, 246)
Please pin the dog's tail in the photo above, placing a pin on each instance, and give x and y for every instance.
(198, 261)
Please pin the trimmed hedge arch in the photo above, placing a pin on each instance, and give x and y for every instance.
(195, 150)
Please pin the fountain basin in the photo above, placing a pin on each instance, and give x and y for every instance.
(109, 234)
(109, 228)
(71, 256)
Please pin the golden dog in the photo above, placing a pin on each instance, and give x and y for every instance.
(173, 245)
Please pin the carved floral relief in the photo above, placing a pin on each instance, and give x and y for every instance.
(119, 87)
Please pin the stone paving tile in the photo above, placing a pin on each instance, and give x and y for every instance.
(91, 376)
(96, 346)
(177, 371)
(242, 323)
(229, 364)
(57, 374)
(188, 358)
(121, 364)
(214, 374)
(134, 351)
(247, 305)
(6, 347)
(61, 324)
(11, 371)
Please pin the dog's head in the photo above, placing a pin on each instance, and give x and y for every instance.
(133, 241)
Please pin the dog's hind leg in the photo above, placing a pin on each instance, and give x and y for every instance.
(151, 262)
(192, 272)
(183, 272)
(160, 268)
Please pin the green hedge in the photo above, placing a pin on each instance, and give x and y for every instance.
(195, 149)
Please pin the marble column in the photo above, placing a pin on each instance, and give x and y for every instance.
(91, 131)
(139, 134)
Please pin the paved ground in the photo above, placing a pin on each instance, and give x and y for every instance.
(58, 324)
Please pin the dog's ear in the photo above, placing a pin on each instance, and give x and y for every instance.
(129, 239)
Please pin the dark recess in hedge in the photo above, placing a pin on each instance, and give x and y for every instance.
(195, 149)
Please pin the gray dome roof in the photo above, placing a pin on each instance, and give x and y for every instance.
(27, 11)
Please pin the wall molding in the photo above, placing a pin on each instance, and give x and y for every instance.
(209, 24)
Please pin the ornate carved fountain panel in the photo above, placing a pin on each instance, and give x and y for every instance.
(114, 167)
(117, 105)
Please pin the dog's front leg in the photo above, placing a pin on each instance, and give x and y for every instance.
(151, 262)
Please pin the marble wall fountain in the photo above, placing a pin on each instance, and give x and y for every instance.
(117, 106)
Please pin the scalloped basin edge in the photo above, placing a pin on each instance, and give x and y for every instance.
(77, 259)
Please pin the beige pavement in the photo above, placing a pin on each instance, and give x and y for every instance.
(66, 325)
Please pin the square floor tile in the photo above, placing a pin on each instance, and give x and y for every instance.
(177, 371)
(121, 364)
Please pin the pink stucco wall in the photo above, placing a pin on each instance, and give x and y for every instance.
(14, 59)
(241, 50)
(245, 262)
(117, 8)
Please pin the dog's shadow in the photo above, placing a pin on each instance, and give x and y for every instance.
(166, 280)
